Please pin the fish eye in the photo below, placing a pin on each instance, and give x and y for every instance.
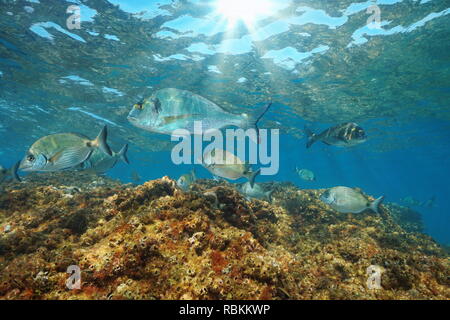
(139, 106)
(30, 158)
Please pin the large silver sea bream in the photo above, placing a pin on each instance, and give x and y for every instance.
(170, 109)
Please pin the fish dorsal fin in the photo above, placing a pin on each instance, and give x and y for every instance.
(193, 175)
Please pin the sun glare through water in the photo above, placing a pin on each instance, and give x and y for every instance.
(246, 11)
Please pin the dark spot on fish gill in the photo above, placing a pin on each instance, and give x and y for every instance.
(157, 104)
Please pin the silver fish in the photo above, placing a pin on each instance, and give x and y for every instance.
(170, 109)
(431, 203)
(62, 151)
(10, 173)
(135, 176)
(305, 174)
(99, 162)
(343, 135)
(185, 181)
(256, 191)
(410, 201)
(348, 200)
(226, 165)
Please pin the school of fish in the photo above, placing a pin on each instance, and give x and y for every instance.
(175, 112)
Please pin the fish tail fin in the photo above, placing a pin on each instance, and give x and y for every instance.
(252, 176)
(269, 195)
(13, 171)
(253, 118)
(123, 154)
(311, 137)
(100, 141)
(375, 205)
(194, 176)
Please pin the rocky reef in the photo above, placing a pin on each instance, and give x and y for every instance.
(154, 241)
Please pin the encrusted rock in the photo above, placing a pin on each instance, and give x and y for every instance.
(154, 241)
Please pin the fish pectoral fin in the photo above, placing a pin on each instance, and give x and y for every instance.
(55, 157)
(69, 158)
(170, 119)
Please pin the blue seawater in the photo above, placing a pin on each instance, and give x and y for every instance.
(384, 64)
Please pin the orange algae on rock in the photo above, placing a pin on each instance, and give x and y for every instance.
(218, 261)
(154, 241)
